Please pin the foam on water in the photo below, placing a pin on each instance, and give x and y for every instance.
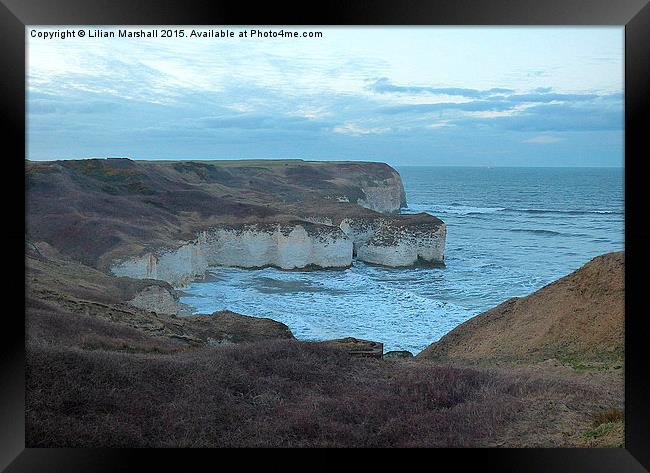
(455, 209)
(509, 232)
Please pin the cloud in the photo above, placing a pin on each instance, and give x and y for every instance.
(193, 100)
(539, 110)
(472, 106)
(565, 117)
(547, 97)
(262, 122)
(440, 124)
(49, 106)
(355, 130)
(385, 86)
(543, 139)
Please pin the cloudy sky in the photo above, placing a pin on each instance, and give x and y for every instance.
(406, 96)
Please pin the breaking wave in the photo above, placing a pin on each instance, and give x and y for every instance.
(565, 211)
(459, 209)
(537, 232)
(455, 209)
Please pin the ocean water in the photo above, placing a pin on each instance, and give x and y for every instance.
(510, 231)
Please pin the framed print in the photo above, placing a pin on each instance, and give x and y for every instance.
(367, 226)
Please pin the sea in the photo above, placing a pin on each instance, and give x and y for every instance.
(510, 231)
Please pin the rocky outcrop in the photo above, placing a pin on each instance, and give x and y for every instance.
(160, 300)
(357, 347)
(405, 242)
(70, 303)
(398, 355)
(398, 240)
(171, 220)
(320, 242)
(225, 327)
(393, 240)
(114, 208)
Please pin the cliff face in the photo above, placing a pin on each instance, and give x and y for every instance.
(391, 241)
(286, 246)
(579, 317)
(171, 220)
(405, 242)
(384, 196)
(69, 303)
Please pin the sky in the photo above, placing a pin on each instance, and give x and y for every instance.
(470, 96)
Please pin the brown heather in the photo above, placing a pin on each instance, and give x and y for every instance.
(272, 394)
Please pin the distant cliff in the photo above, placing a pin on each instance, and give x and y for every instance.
(170, 220)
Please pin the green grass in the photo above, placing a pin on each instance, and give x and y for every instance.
(602, 430)
(40, 168)
(603, 423)
(603, 362)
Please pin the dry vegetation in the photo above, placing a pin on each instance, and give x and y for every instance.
(101, 374)
(287, 393)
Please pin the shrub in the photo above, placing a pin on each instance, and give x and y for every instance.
(280, 393)
(608, 416)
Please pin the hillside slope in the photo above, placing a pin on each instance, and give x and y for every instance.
(579, 318)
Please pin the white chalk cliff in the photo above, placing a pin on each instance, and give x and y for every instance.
(393, 240)
(390, 241)
(404, 245)
(283, 245)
